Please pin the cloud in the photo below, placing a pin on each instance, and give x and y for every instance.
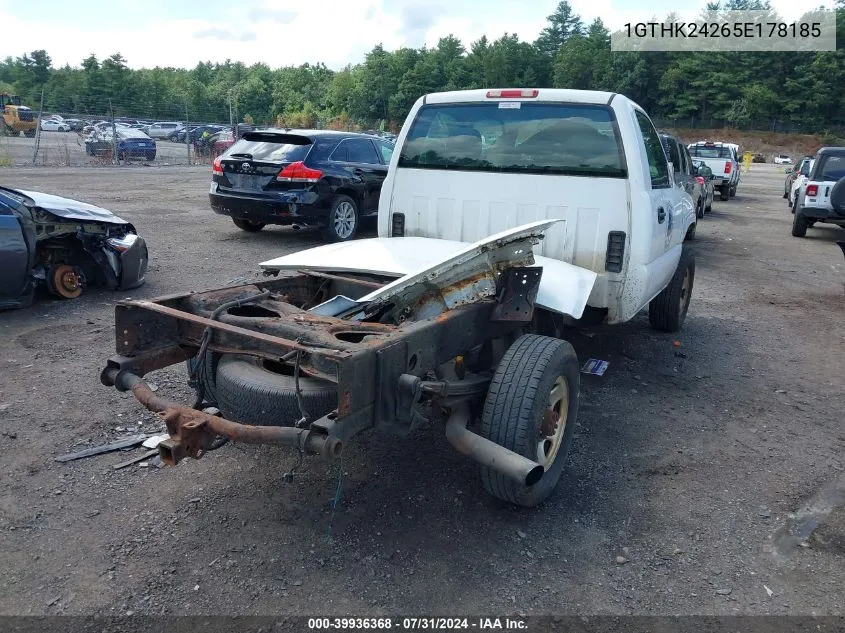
(370, 13)
(417, 19)
(272, 15)
(224, 35)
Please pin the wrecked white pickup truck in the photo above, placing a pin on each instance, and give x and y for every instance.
(312, 358)
(420, 327)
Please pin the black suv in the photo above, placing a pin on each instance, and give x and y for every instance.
(308, 178)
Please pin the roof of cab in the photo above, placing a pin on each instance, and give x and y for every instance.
(831, 150)
(597, 97)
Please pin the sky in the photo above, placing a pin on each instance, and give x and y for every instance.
(152, 33)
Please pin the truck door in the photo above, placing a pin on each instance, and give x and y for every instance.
(660, 260)
(14, 254)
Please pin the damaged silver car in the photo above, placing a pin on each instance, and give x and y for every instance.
(63, 245)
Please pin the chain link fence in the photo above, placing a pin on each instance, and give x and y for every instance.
(98, 135)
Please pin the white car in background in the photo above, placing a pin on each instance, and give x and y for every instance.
(798, 185)
(783, 159)
(51, 125)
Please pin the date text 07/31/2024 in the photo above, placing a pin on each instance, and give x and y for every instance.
(418, 624)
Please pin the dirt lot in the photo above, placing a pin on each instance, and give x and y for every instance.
(686, 464)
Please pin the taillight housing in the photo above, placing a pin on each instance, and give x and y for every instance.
(397, 225)
(699, 180)
(298, 172)
(812, 191)
(513, 93)
(728, 167)
(217, 167)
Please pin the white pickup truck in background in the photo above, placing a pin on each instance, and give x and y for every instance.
(722, 159)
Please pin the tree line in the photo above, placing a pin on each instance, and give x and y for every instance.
(763, 90)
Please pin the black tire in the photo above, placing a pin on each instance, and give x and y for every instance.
(668, 310)
(733, 191)
(795, 205)
(150, 156)
(516, 407)
(724, 193)
(691, 232)
(799, 225)
(709, 207)
(339, 219)
(248, 226)
(837, 196)
(249, 393)
(699, 210)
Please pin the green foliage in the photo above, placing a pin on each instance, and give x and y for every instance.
(763, 89)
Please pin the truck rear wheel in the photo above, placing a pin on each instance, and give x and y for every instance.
(530, 408)
(263, 393)
(668, 310)
(725, 192)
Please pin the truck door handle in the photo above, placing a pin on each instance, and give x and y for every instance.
(661, 215)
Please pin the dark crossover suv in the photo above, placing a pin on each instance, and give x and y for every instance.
(305, 178)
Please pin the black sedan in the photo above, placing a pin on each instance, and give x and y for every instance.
(304, 178)
(64, 245)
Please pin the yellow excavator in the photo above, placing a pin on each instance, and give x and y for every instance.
(17, 118)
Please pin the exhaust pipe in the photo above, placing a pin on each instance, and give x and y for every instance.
(520, 469)
(192, 432)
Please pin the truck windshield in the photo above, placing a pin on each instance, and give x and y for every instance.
(703, 151)
(518, 137)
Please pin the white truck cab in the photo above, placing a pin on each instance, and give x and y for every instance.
(469, 164)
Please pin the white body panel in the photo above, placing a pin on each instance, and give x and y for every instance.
(564, 288)
(465, 206)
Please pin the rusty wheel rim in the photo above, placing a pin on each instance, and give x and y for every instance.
(66, 281)
(554, 423)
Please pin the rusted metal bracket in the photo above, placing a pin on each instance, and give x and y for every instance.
(517, 294)
(192, 432)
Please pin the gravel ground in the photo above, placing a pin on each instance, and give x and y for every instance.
(687, 471)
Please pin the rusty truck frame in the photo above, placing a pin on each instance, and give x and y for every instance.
(401, 353)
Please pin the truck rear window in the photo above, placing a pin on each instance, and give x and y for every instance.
(516, 137)
(703, 151)
(272, 148)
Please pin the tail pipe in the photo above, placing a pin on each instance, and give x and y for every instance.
(192, 432)
(520, 469)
